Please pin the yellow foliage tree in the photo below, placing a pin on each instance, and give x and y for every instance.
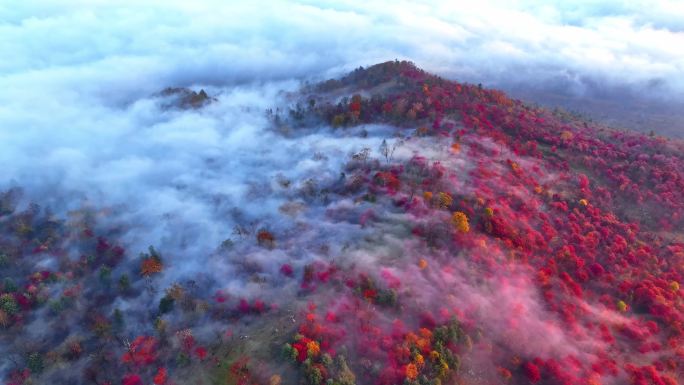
(419, 360)
(275, 380)
(460, 220)
(411, 371)
(566, 135)
(151, 266)
(443, 369)
(445, 200)
(313, 348)
(622, 306)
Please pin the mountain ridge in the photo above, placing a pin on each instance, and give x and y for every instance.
(405, 229)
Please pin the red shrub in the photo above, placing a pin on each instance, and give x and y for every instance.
(142, 351)
(532, 372)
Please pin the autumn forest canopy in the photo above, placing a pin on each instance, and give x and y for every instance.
(389, 226)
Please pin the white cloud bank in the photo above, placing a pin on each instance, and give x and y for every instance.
(117, 50)
(76, 76)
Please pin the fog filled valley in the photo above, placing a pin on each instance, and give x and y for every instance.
(389, 226)
(180, 213)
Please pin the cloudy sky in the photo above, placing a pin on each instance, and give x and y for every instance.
(118, 50)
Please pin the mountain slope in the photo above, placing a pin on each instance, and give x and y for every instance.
(465, 237)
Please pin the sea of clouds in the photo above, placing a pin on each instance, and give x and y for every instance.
(78, 79)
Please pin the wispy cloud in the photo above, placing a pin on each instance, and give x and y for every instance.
(77, 113)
